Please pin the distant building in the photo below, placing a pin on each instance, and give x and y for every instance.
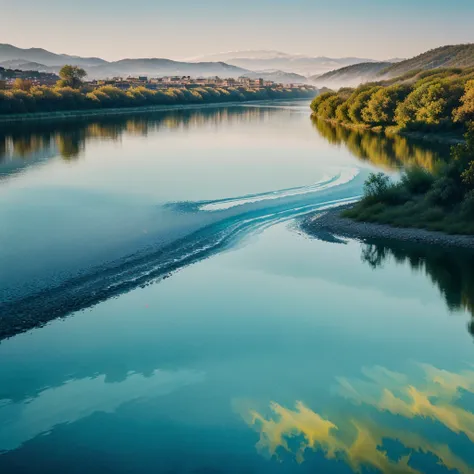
(182, 82)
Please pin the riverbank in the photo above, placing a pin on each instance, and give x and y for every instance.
(331, 222)
(75, 114)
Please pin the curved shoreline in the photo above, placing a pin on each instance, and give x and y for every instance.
(330, 222)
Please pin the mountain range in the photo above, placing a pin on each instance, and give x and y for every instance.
(270, 65)
(97, 68)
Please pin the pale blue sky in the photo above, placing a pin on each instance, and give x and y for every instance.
(114, 29)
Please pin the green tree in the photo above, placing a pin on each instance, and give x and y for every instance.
(342, 112)
(317, 101)
(359, 102)
(71, 76)
(382, 104)
(431, 103)
(327, 109)
(464, 155)
(376, 185)
(466, 111)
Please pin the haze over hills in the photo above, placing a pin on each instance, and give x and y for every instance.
(446, 56)
(350, 76)
(296, 63)
(27, 66)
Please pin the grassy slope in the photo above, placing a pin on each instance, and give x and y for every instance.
(461, 55)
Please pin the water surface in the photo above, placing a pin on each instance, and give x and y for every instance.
(279, 353)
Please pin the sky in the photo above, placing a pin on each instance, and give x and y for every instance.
(115, 29)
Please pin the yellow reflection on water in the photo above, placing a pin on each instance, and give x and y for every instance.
(387, 151)
(70, 138)
(358, 440)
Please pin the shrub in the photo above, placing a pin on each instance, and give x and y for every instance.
(445, 192)
(376, 185)
(327, 109)
(466, 111)
(317, 101)
(359, 103)
(417, 180)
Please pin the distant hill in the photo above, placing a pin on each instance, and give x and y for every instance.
(446, 56)
(163, 67)
(281, 77)
(23, 65)
(296, 63)
(461, 55)
(97, 68)
(9, 52)
(351, 75)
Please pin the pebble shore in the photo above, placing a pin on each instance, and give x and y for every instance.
(331, 222)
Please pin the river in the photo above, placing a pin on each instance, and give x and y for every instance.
(161, 311)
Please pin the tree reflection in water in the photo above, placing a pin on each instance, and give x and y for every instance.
(69, 138)
(391, 152)
(451, 270)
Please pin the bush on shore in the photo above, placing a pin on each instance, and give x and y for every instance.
(441, 201)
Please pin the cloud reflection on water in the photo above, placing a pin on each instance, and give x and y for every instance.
(361, 441)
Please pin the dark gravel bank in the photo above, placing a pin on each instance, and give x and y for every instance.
(330, 222)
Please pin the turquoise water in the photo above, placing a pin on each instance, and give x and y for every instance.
(273, 352)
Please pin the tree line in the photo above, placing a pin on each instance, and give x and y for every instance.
(439, 99)
(70, 93)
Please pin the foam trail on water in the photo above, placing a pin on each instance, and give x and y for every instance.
(343, 177)
(202, 234)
